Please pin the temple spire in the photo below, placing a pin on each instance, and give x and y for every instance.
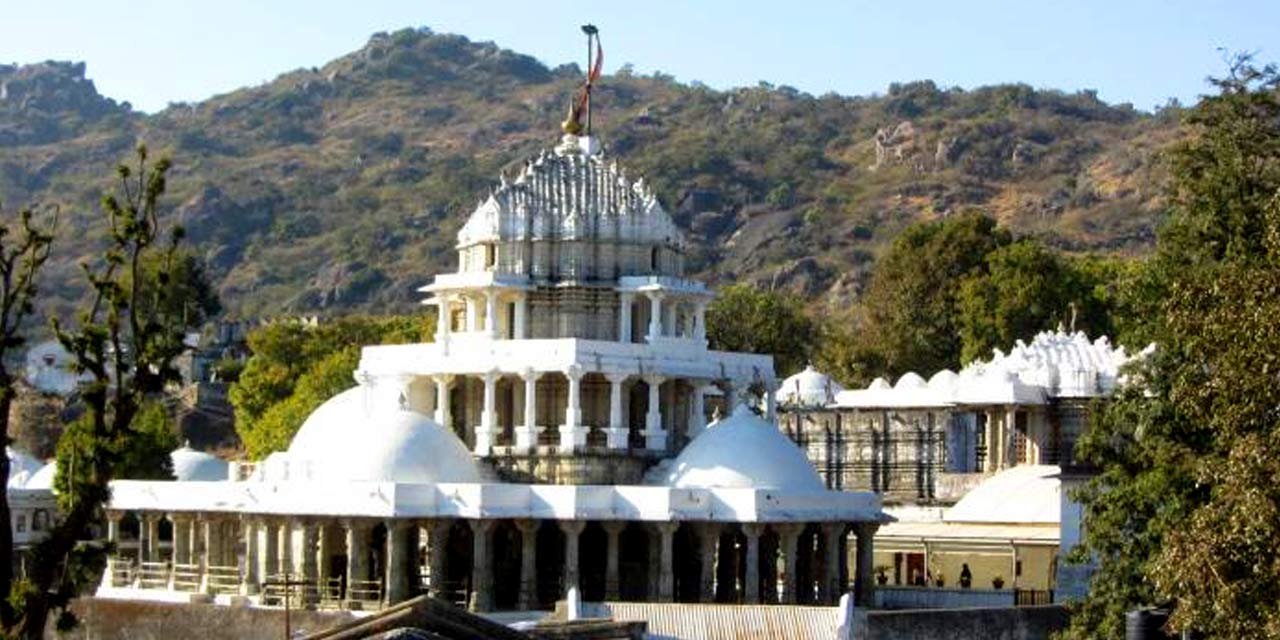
(581, 102)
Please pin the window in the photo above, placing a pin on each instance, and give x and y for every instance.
(21, 526)
(490, 256)
(39, 520)
(653, 259)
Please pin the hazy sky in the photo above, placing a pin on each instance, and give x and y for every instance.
(152, 52)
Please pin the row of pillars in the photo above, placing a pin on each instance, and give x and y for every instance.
(665, 317)
(265, 547)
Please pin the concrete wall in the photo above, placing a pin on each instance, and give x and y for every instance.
(105, 619)
(1005, 623)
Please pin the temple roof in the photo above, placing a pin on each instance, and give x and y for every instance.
(743, 451)
(572, 193)
(808, 389)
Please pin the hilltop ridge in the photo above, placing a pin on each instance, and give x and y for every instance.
(340, 187)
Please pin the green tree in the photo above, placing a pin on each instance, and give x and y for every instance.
(912, 301)
(745, 318)
(295, 367)
(24, 248)
(127, 343)
(1185, 507)
(178, 283)
(1028, 288)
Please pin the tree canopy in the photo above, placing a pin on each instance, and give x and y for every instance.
(746, 318)
(1185, 509)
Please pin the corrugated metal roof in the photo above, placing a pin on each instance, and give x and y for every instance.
(729, 622)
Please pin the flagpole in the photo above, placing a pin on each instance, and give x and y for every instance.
(591, 32)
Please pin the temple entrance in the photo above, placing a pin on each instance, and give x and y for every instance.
(687, 564)
(456, 586)
(733, 545)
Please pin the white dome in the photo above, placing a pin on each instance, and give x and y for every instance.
(808, 389)
(879, 383)
(1025, 494)
(910, 380)
(190, 465)
(21, 467)
(42, 479)
(743, 452)
(340, 440)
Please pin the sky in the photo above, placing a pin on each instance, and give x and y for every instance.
(153, 52)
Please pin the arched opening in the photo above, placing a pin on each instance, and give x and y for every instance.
(633, 563)
(593, 549)
(506, 566)
(687, 564)
(732, 549)
(807, 564)
(550, 572)
(456, 586)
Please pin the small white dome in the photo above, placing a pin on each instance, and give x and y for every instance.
(43, 479)
(190, 465)
(743, 451)
(341, 440)
(945, 380)
(809, 389)
(910, 380)
(21, 467)
(879, 383)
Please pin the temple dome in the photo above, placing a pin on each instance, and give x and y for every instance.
(190, 465)
(743, 451)
(344, 440)
(21, 467)
(809, 389)
(42, 479)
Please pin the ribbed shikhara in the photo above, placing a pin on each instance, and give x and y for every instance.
(571, 196)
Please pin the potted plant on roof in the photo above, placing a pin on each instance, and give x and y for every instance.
(998, 582)
(882, 574)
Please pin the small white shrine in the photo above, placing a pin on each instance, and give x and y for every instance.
(553, 436)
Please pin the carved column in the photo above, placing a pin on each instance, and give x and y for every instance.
(522, 315)
(572, 529)
(481, 571)
(249, 578)
(753, 531)
(437, 555)
(269, 558)
(697, 409)
(612, 530)
(617, 432)
(181, 539)
(708, 536)
(488, 415)
(442, 318)
(788, 539)
(491, 313)
(473, 316)
(864, 585)
(655, 436)
(700, 321)
(443, 384)
(397, 565)
(666, 558)
(655, 316)
(831, 587)
(528, 564)
(624, 316)
(113, 537)
(527, 435)
(285, 548)
(573, 436)
(357, 554)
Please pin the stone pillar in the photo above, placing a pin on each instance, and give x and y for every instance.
(491, 313)
(666, 558)
(617, 433)
(771, 400)
(473, 316)
(625, 301)
(612, 530)
(669, 319)
(177, 549)
(730, 397)
(397, 564)
(708, 537)
(831, 587)
(528, 564)
(788, 539)
(443, 384)
(442, 318)
(655, 316)
(249, 579)
(212, 544)
(269, 558)
(357, 554)
(144, 544)
(527, 435)
(522, 317)
(573, 436)
(655, 436)
(753, 531)
(285, 548)
(324, 551)
(308, 552)
(113, 537)
(697, 410)
(481, 571)
(439, 540)
(572, 529)
(700, 321)
(1009, 455)
(488, 415)
(864, 584)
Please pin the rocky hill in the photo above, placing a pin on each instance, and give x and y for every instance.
(341, 187)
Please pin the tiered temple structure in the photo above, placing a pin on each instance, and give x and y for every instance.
(553, 436)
